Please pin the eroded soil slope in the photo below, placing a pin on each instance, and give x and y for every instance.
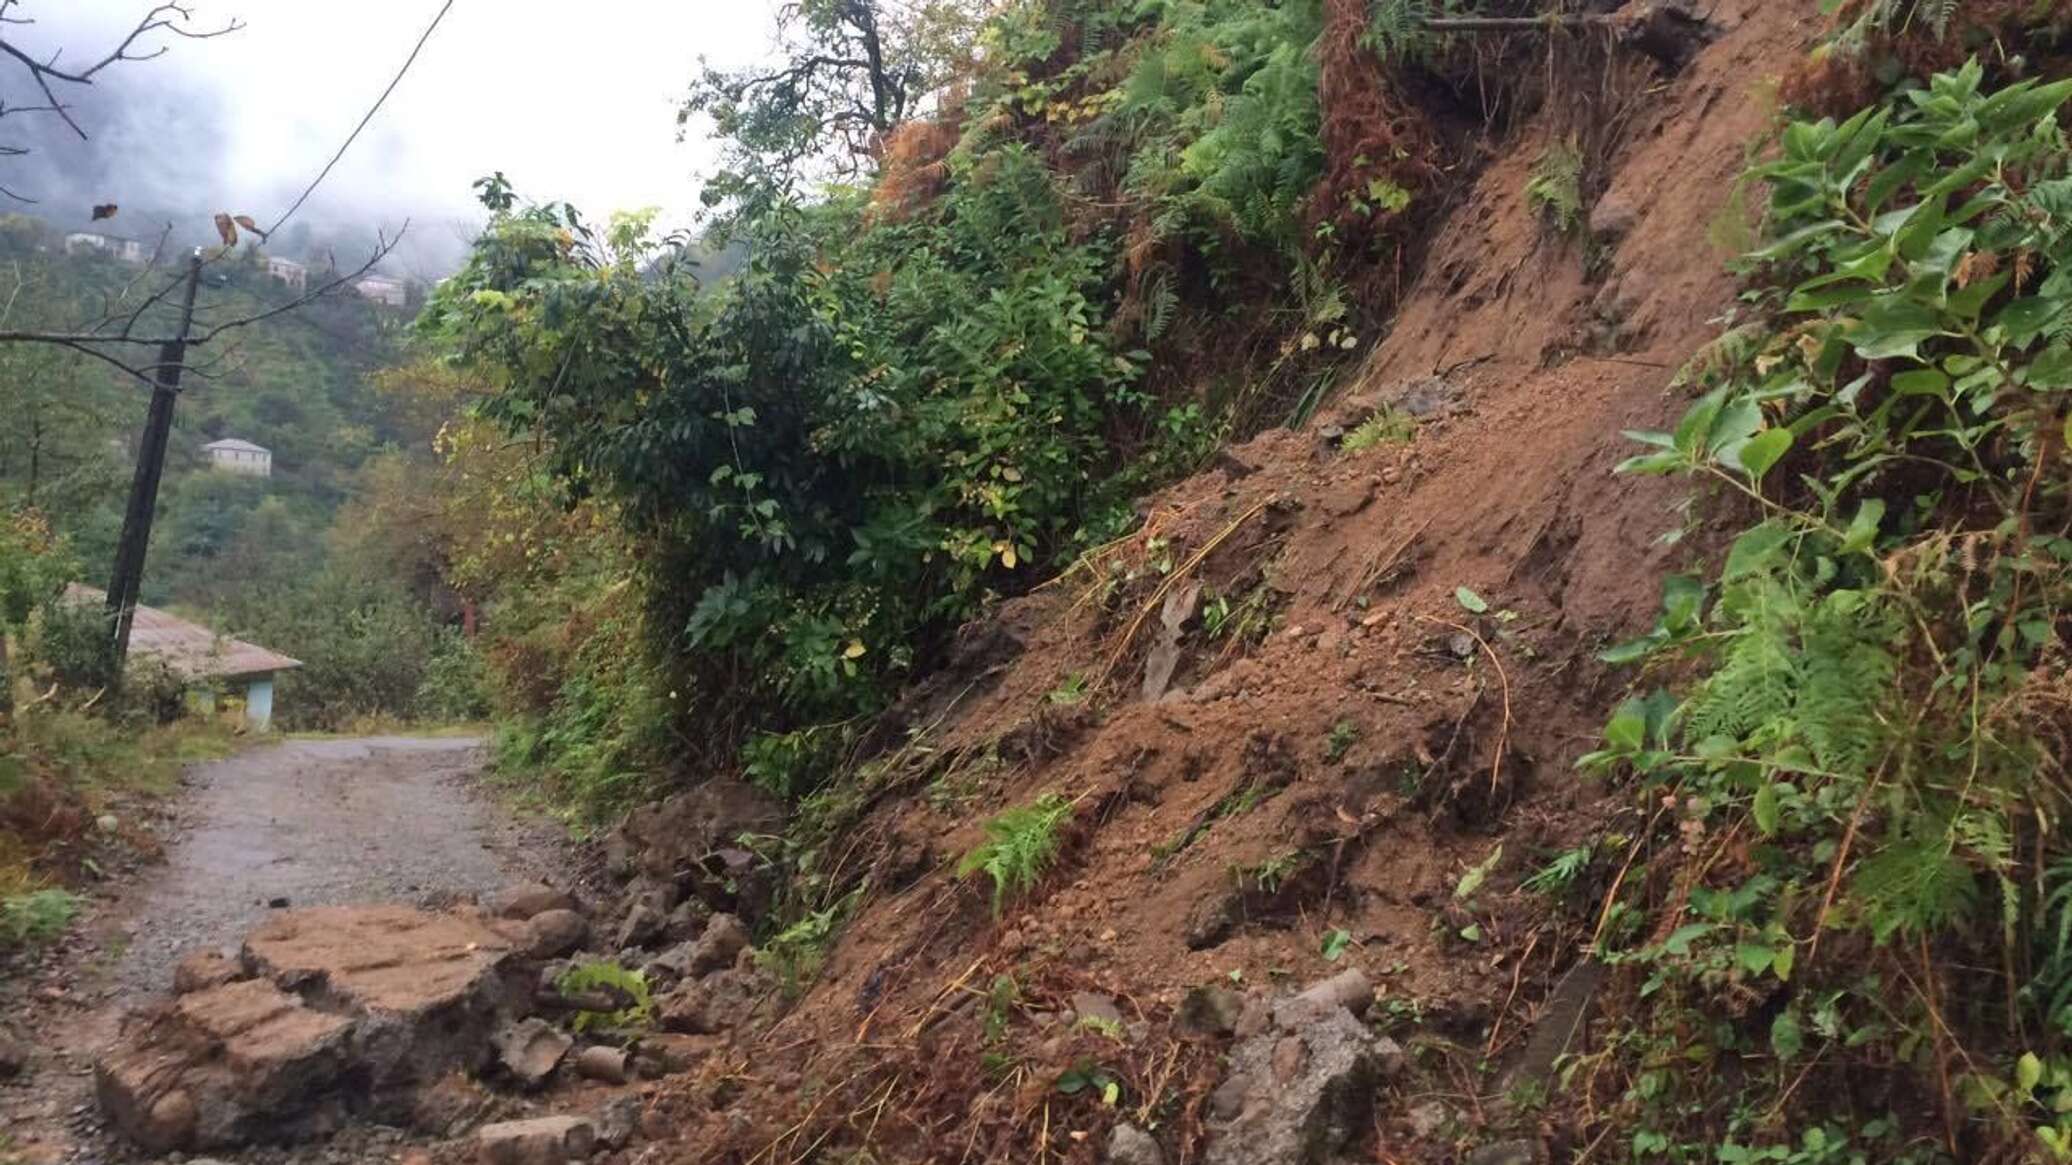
(1259, 800)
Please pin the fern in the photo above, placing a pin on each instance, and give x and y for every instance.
(1555, 189)
(610, 976)
(1020, 845)
(1161, 303)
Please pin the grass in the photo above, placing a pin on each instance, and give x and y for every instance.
(36, 917)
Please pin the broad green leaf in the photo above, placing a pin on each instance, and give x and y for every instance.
(1632, 650)
(1785, 1038)
(1765, 809)
(1863, 529)
(1683, 597)
(1627, 730)
(1754, 549)
(1653, 463)
(1697, 421)
(1679, 941)
(2028, 1072)
(2052, 367)
(1737, 421)
(1470, 600)
(1923, 381)
(2025, 318)
(1763, 450)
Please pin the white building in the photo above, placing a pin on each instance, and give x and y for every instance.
(127, 250)
(234, 456)
(288, 271)
(384, 289)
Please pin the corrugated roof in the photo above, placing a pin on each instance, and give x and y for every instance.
(190, 649)
(234, 443)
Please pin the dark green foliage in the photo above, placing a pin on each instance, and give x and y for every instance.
(1879, 700)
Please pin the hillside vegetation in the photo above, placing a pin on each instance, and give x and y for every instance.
(990, 308)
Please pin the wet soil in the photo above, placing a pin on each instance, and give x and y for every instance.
(299, 823)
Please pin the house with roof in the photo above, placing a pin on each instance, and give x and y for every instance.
(200, 656)
(115, 246)
(232, 455)
(288, 271)
(384, 289)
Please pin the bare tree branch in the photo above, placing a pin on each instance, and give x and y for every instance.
(172, 19)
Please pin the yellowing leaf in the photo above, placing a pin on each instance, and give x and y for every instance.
(854, 650)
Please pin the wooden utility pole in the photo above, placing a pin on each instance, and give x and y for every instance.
(128, 574)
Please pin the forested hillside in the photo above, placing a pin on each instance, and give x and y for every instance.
(265, 557)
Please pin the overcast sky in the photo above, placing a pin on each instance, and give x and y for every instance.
(571, 100)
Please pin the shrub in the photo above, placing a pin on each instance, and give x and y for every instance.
(36, 917)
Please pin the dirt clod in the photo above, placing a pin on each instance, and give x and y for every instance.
(547, 1140)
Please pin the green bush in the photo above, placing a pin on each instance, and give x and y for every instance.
(36, 917)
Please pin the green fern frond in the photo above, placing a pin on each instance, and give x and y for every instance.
(1914, 885)
(1020, 845)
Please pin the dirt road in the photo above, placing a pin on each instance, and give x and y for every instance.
(299, 823)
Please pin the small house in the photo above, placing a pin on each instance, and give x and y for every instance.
(234, 456)
(288, 271)
(199, 655)
(384, 289)
(114, 246)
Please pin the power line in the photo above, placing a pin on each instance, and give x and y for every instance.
(376, 108)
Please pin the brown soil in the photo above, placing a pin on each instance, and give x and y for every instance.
(1525, 354)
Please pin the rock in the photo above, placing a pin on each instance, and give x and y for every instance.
(1611, 220)
(641, 927)
(547, 1140)
(1211, 1010)
(1301, 1092)
(1566, 1010)
(1097, 1007)
(657, 894)
(1212, 919)
(668, 968)
(685, 922)
(551, 934)
(668, 1053)
(1504, 1153)
(222, 1066)
(1349, 989)
(712, 1004)
(531, 1049)
(602, 1062)
(448, 1105)
(201, 970)
(107, 823)
(723, 939)
(1429, 1118)
(618, 1121)
(425, 990)
(673, 839)
(523, 900)
(1130, 1145)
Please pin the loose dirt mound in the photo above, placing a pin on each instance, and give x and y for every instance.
(1371, 672)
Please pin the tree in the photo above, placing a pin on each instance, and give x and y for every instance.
(852, 71)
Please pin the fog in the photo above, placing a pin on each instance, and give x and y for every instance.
(573, 102)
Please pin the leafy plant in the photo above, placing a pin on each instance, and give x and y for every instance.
(1885, 630)
(35, 917)
(1385, 427)
(606, 975)
(1342, 737)
(1020, 845)
(1555, 189)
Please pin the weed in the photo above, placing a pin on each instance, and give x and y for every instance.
(795, 953)
(1072, 690)
(1342, 737)
(1555, 190)
(1556, 877)
(1334, 944)
(36, 917)
(1103, 1025)
(1271, 874)
(1020, 845)
(1385, 426)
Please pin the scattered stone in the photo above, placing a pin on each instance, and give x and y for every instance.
(1130, 1145)
(715, 1003)
(1429, 1119)
(1611, 220)
(531, 1049)
(723, 939)
(657, 894)
(107, 823)
(618, 1121)
(448, 1105)
(641, 927)
(1349, 989)
(1504, 1153)
(685, 922)
(668, 1053)
(523, 900)
(1213, 919)
(1211, 1010)
(201, 970)
(602, 1062)
(1300, 1092)
(551, 934)
(1566, 1010)
(547, 1140)
(1096, 1007)
(280, 903)
(672, 837)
